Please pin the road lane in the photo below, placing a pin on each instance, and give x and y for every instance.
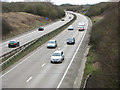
(34, 34)
(51, 74)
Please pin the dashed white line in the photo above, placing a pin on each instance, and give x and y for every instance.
(29, 79)
(21, 62)
(71, 61)
(43, 65)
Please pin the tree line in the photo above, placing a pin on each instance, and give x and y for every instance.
(45, 9)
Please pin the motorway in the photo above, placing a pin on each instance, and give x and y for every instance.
(25, 38)
(35, 69)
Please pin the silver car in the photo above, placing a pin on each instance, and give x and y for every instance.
(70, 27)
(57, 56)
(52, 44)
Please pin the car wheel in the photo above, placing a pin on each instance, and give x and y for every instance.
(9, 46)
(61, 61)
(51, 62)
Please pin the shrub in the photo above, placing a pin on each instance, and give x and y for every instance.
(39, 8)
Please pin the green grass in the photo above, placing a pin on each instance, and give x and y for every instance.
(89, 67)
(5, 58)
(89, 64)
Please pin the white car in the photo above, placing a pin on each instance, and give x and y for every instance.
(57, 56)
(70, 27)
(52, 44)
(81, 24)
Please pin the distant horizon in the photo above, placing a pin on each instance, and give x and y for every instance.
(60, 2)
(54, 4)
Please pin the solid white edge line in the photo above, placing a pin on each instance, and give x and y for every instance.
(43, 65)
(19, 64)
(29, 79)
(71, 60)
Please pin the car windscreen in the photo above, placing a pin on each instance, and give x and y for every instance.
(70, 26)
(81, 26)
(56, 54)
(51, 42)
(70, 39)
(12, 42)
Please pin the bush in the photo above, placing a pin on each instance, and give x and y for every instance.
(104, 41)
(6, 28)
(38, 8)
(98, 9)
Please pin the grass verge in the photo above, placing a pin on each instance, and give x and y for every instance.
(88, 67)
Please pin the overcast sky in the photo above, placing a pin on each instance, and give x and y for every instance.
(58, 2)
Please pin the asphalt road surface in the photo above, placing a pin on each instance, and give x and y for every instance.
(27, 37)
(35, 69)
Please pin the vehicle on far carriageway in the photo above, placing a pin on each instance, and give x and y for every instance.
(13, 43)
(62, 19)
(41, 28)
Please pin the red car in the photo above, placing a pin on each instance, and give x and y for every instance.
(81, 28)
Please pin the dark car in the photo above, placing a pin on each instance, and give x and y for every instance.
(62, 19)
(71, 40)
(13, 43)
(69, 17)
(40, 28)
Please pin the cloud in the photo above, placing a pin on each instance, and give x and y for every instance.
(114, 0)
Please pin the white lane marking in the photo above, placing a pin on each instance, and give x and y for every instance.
(29, 79)
(43, 65)
(32, 32)
(21, 62)
(71, 61)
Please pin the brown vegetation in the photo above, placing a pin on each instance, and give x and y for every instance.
(45, 9)
(104, 41)
(18, 22)
(18, 16)
(76, 8)
(21, 19)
